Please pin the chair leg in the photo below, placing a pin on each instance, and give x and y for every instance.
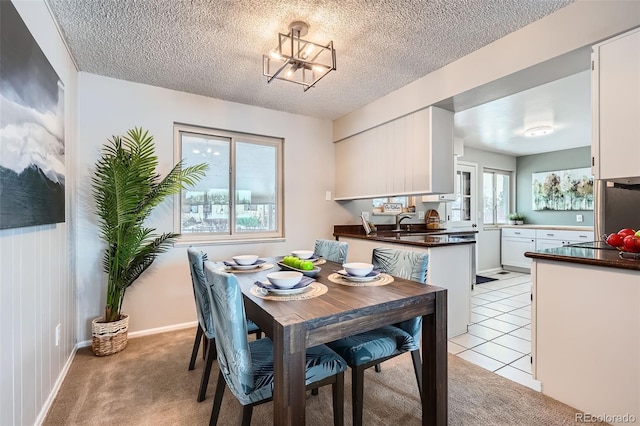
(205, 374)
(217, 401)
(417, 368)
(247, 411)
(377, 368)
(196, 346)
(338, 400)
(357, 394)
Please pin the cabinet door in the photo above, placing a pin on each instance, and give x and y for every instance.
(616, 109)
(513, 249)
(542, 244)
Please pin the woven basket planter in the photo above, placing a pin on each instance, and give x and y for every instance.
(109, 337)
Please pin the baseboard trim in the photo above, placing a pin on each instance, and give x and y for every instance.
(56, 388)
(149, 332)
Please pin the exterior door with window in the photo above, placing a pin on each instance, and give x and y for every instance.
(461, 213)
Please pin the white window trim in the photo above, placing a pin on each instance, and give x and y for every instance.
(495, 172)
(246, 238)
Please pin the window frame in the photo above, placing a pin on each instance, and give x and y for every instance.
(232, 237)
(497, 172)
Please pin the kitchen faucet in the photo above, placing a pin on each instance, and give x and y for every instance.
(400, 218)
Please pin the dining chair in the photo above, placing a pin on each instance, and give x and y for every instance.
(247, 367)
(369, 349)
(205, 329)
(332, 250)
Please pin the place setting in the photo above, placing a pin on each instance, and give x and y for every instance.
(246, 263)
(360, 274)
(288, 285)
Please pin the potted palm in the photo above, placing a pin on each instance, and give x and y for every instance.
(126, 188)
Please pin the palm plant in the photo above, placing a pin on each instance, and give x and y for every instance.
(126, 188)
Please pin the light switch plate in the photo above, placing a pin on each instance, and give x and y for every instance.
(420, 215)
(579, 218)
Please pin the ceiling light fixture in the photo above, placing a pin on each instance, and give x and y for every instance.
(299, 61)
(538, 131)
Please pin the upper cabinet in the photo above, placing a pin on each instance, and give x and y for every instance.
(616, 108)
(408, 156)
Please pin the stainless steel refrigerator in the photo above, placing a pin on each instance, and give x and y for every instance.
(617, 206)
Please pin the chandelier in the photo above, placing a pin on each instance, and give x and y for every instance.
(299, 61)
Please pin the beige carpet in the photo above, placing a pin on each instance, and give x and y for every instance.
(149, 384)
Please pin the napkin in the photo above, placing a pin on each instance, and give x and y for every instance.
(232, 263)
(305, 281)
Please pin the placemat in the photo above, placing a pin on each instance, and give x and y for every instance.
(315, 289)
(383, 279)
(320, 261)
(262, 267)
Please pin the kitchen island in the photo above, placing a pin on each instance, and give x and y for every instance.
(451, 260)
(586, 330)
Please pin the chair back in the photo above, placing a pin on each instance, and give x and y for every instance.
(335, 251)
(230, 322)
(410, 265)
(200, 292)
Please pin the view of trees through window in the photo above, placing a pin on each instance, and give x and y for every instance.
(254, 180)
(495, 196)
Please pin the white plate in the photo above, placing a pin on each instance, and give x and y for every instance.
(283, 292)
(355, 279)
(246, 267)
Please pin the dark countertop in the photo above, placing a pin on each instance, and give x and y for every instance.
(586, 256)
(416, 236)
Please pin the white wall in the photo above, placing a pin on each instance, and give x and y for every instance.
(580, 24)
(488, 237)
(37, 289)
(163, 296)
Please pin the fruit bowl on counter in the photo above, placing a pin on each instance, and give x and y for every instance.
(626, 240)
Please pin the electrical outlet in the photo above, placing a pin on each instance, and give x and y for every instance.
(58, 335)
(365, 215)
(327, 196)
(579, 218)
(420, 215)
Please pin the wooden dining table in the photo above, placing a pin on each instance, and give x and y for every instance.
(345, 310)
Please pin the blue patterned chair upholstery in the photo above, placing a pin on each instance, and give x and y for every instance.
(335, 251)
(369, 349)
(247, 367)
(205, 326)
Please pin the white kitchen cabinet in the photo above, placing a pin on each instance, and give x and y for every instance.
(550, 238)
(408, 156)
(586, 336)
(515, 242)
(615, 147)
(458, 151)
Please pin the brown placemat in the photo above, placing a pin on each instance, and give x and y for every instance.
(262, 267)
(383, 279)
(320, 261)
(314, 289)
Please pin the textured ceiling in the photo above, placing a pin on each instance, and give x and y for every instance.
(214, 48)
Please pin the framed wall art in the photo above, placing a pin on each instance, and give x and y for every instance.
(563, 190)
(32, 151)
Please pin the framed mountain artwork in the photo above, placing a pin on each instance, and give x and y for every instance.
(32, 149)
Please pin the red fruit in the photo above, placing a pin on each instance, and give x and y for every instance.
(626, 231)
(615, 240)
(632, 243)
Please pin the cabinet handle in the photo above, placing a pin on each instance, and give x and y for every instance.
(517, 233)
(550, 235)
(582, 236)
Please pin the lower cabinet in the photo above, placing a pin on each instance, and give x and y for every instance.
(449, 267)
(586, 337)
(515, 242)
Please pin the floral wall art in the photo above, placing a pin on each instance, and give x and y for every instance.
(32, 164)
(563, 190)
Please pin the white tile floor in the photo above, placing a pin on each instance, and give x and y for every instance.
(499, 338)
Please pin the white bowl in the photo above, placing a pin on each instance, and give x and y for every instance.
(302, 254)
(284, 279)
(245, 259)
(357, 268)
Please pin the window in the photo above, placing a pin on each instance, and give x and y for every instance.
(495, 194)
(241, 195)
(461, 213)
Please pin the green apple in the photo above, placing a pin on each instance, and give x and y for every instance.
(637, 234)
